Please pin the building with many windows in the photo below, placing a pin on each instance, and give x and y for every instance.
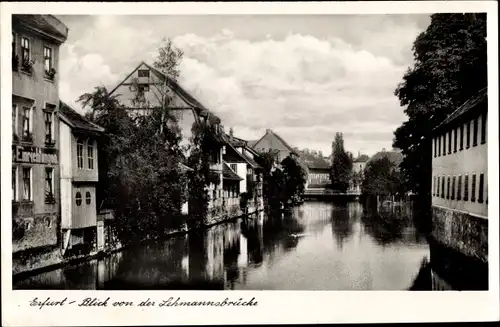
(460, 178)
(35, 143)
(78, 179)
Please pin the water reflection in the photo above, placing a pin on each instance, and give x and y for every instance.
(317, 246)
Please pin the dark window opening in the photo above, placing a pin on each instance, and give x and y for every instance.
(475, 131)
(455, 139)
(483, 128)
(459, 190)
(453, 188)
(448, 188)
(461, 137)
(78, 198)
(143, 73)
(88, 198)
(467, 144)
(480, 197)
(473, 189)
(466, 188)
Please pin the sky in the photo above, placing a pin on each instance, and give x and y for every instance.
(304, 77)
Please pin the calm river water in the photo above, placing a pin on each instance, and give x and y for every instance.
(318, 246)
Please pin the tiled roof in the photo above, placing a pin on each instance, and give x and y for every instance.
(41, 23)
(77, 121)
(177, 88)
(480, 98)
(237, 142)
(228, 173)
(252, 143)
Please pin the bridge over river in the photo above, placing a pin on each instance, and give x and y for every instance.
(323, 193)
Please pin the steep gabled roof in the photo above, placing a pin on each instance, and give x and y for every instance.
(362, 158)
(77, 121)
(177, 88)
(228, 173)
(270, 132)
(394, 156)
(232, 143)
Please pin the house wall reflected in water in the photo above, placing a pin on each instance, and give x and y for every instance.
(317, 246)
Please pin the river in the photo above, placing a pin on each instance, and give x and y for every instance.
(317, 246)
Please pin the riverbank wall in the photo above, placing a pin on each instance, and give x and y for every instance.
(34, 261)
(460, 245)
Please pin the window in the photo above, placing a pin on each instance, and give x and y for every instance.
(437, 186)
(448, 188)
(27, 184)
(459, 189)
(78, 199)
(483, 128)
(79, 153)
(233, 167)
(47, 59)
(25, 49)
(27, 123)
(434, 186)
(480, 196)
(435, 147)
(90, 154)
(88, 197)
(14, 119)
(444, 144)
(143, 73)
(453, 187)
(467, 144)
(14, 183)
(449, 142)
(442, 187)
(466, 188)
(49, 184)
(475, 131)
(461, 137)
(455, 139)
(143, 88)
(48, 127)
(439, 146)
(473, 189)
(13, 45)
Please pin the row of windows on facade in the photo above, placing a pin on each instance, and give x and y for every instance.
(80, 153)
(28, 122)
(27, 184)
(449, 186)
(455, 137)
(27, 57)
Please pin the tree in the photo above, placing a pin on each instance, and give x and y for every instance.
(141, 160)
(295, 178)
(449, 68)
(341, 169)
(381, 177)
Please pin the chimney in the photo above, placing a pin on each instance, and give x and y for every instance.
(231, 132)
(268, 130)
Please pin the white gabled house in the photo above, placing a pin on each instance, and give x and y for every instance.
(146, 88)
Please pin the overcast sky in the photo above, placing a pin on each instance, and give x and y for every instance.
(305, 77)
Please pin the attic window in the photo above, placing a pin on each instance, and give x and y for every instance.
(143, 73)
(143, 88)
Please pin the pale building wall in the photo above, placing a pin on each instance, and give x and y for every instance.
(469, 161)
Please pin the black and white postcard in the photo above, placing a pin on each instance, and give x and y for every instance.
(226, 163)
